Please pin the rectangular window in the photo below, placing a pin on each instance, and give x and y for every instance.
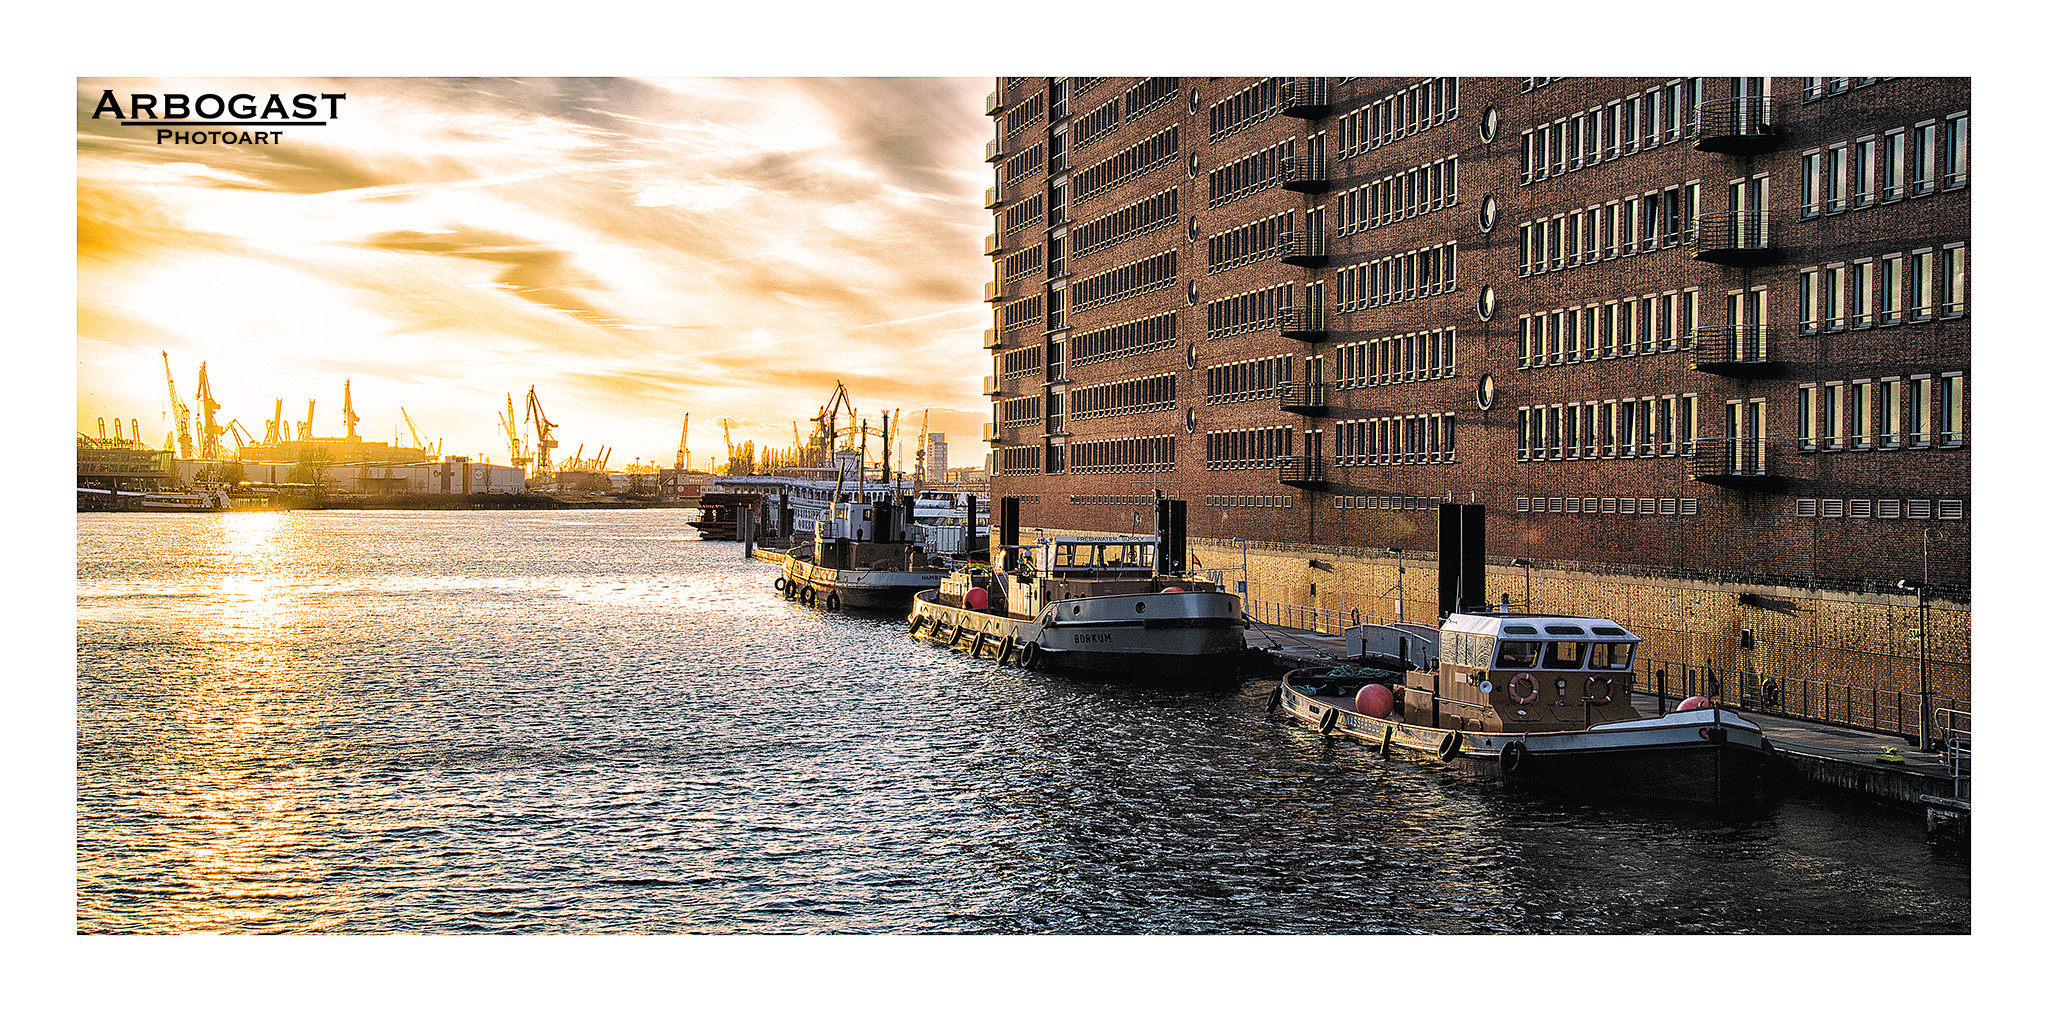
(1952, 285)
(1834, 299)
(1809, 184)
(1887, 408)
(1866, 172)
(1809, 400)
(1952, 409)
(1689, 422)
(1838, 179)
(1809, 302)
(1892, 175)
(1955, 159)
(1920, 410)
(1832, 432)
(1920, 286)
(1859, 415)
(1890, 272)
(1923, 158)
(1862, 281)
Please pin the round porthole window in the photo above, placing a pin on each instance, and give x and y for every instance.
(1489, 213)
(1141, 607)
(1194, 165)
(1486, 304)
(1193, 293)
(1194, 101)
(1485, 396)
(1191, 418)
(1194, 229)
(1191, 365)
(1489, 124)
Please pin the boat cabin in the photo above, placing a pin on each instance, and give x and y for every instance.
(1063, 568)
(867, 535)
(1521, 672)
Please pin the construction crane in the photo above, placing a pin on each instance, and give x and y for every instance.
(409, 428)
(273, 430)
(683, 448)
(924, 427)
(827, 419)
(510, 421)
(241, 435)
(306, 427)
(727, 423)
(348, 412)
(181, 416)
(209, 433)
(543, 431)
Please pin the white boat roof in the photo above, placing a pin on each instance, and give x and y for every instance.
(1123, 539)
(1512, 625)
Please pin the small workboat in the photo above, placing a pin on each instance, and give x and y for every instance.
(1532, 698)
(862, 556)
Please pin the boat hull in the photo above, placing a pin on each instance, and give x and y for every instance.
(859, 589)
(1709, 756)
(1174, 636)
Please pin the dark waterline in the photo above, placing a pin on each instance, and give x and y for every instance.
(555, 722)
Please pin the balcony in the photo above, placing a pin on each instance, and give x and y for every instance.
(1736, 238)
(990, 338)
(1303, 324)
(992, 245)
(1736, 126)
(992, 292)
(1305, 249)
(1305, 175)
(1742, 462)
(1306, 98)
(994, 103)
(1733, 351)
(990, 433)
(993, 198)
(1304, 473)
(991, 386)
(1305, 399)
(993, 151)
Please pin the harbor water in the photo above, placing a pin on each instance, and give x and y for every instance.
(591, 722)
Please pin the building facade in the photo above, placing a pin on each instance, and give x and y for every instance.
(1702, 334)
(935, 456)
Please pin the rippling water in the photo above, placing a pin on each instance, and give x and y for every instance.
(577, 722)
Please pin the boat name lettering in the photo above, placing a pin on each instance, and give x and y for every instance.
(1091, 637)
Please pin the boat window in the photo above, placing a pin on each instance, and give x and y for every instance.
(1564, 654)
(1526, 630)
(1608, 630)
(1564, 630)
(1610, 656)
(1516, 655)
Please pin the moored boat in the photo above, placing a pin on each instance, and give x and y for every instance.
(862, 555)
(1534, 698)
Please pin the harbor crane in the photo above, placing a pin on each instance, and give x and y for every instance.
(273, 430)
(520, 456)
(543, 431)
(209, 431)
(683, 448)
(306, 427)
(827, 419)
(924, 427)
(409, 428)
(348, 411)
(181, 416)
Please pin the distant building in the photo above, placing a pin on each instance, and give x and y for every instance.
(448, 476)
(122, 466)
(935, 457)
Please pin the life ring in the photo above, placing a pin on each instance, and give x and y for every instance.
(1512, 757)
(1523, 699)
(1606, 687)
(782, 583)
(1273, 701)
(1029, 659)
(1447, 749)
(1329, 721)
(832, 601)
(809, 596)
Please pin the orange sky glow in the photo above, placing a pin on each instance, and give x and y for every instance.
(633, 248)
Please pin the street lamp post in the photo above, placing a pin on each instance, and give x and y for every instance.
(1528, 605)
(1919, 590)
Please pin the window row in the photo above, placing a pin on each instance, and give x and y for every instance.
(1132, 453)
(1415, 274)
(1643, 325)
(1880, 509)
(1018, 459)
(1096, 125)
(1411, 110)
(1398, 197)
(1023, 212)
(1025, 163)
(1821, 87)
(1125, 397)
(1031, 110)
(1260, 170)
(1251, 311)
(1244, 449)
(1248, 244)
(1878, 169)
(1022, 313)
(1641, 120)
(1130, 280)
(1018, 411)
(1260, 501)
(1149, 94)
(1154, 212)
(1130, 163)
(1022, 264)
(1882, 291)
(1387, 502)
(1135, 337)
(1623, 505)
(1255, 104)
(1023, 361)
(1882, 414)
(1400, 439)
(1624, 227)
(1630, 427)
(1400, 358)
(1252, 379)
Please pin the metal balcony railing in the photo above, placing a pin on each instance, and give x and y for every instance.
(992, 245)
(993, 151)
(1737, 238)
(1304, 174)
(1303, 472)
(990, 338)
(990, 433)
(1306, 98)
(991, 386)
(1304, 248)
(1304, 398)
(1303, 324)
(992, 292)
(994, 103)
(993, 198)
(1731, 460)
(1738, 125)
(1732, 350)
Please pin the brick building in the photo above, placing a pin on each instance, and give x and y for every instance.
(1708, 336)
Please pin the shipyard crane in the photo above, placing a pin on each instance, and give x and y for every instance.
(234, 428)
(348, 412)
(306, 427)
(409, 428)
(510, 421)
(727, 422)
(924, 427)
(209, 432)
(683, 448)
(180, 415)
(543, 431)
(827, 419)
(273, 430)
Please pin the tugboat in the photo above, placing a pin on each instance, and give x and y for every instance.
(864, 555)
(1103, 605)
(1525, 697)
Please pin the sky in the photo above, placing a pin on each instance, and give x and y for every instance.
(630, 249)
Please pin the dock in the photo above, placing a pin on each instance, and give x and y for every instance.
(1848, 762)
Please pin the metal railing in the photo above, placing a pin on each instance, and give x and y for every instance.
(1306, 93)
(1954, 727)
(1742, 116)
(1730, 345)
(1870, 708)
(1300, 169)
(1299, 396)
(1300, 320)
(1730, 457)
(1733, 230)
(1304, 243)
(1294, 616)
(1302, 470)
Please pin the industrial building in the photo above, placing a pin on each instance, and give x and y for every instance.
(1697, 347)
